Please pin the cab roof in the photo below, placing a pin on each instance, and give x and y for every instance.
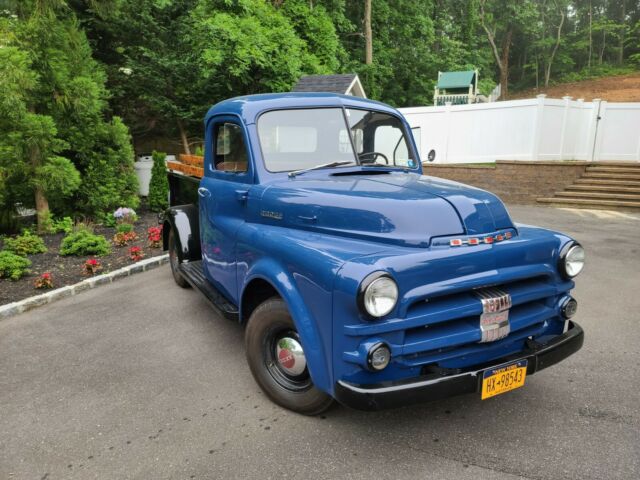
(249, 107)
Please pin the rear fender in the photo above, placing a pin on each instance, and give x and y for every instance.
(316, 352)
(185, 222)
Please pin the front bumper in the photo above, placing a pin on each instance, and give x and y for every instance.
(416, 390)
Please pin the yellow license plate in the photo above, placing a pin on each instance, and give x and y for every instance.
(503, 379)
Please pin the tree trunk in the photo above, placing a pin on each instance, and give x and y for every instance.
(368, 34)
(42, 204)
(623, 18)
(184, 138)
(604, 45)
(42, 210)
(590, 35)
(547, 74)
(504, 63)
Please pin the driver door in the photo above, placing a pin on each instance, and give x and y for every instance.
(223, 197)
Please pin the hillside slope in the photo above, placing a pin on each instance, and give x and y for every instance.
(623, 88)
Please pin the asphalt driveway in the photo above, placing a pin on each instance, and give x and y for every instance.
(140, 379)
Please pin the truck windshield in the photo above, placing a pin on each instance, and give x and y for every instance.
(306, 138)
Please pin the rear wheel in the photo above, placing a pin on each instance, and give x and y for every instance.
(174, 261)
(277, 360)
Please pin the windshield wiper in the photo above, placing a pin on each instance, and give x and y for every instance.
(324, 165)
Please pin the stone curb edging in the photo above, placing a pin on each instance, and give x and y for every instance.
(29, 303)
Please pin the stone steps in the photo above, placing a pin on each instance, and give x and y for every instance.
(620, 188)
(613, 185)
(590, 203)
(598, 195)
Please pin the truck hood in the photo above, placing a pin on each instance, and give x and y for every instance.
(390, 207)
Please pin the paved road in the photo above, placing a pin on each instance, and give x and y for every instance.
(140, 379)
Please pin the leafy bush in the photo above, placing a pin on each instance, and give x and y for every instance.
(109, 178)
(25, 244)
(45, 222)
(159, 185)
(64, 225)
(83, 242)
(124, 228)
(13, 266)
(109, 220)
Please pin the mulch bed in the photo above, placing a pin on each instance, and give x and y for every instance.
(68, 270)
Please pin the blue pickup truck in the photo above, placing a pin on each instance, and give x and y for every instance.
(357, 277)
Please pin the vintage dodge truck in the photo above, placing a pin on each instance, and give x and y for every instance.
(357, 277)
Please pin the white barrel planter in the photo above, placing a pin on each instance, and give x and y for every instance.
(143, 170)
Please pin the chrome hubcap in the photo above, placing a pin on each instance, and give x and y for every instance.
(290, 356)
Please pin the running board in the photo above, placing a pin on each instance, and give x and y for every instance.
(193, 273)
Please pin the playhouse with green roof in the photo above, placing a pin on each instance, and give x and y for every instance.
(457, 88)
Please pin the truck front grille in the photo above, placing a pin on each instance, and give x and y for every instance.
(447, 326)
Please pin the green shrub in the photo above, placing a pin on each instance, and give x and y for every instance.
(109, 178)
(109, 220)
(124, 228)
(45, 222)
(13, 266)
(159, 185)
(25, 244)
(83, 242)
(64, 225)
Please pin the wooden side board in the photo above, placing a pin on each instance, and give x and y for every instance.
(186, 169)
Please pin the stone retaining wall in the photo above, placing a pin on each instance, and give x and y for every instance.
(519, 182)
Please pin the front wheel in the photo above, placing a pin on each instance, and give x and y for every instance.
(174, 261)
(277, 360)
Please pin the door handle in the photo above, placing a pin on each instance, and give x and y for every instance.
(203, 192)
(309, 219)
(242, 195)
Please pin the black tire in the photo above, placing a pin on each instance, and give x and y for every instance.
(269, 321)
(174, 261)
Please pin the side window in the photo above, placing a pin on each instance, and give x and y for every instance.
(230, 150)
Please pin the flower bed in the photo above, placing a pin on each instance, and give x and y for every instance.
(67, 270)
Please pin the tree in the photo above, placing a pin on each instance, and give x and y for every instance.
(159, 185)
(247, 47)
(60, 131)
(29, 142)
(501, 21)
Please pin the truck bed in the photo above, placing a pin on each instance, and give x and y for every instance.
(183, 189)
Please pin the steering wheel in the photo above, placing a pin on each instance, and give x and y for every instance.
(374, 156)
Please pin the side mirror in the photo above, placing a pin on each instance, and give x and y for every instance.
(431, 156)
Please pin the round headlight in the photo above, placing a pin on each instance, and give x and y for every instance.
(572, 262)
(379, 296)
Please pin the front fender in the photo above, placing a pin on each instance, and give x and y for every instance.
(316, 343)
(185, 222)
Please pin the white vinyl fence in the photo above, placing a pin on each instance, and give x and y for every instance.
(535, 129)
